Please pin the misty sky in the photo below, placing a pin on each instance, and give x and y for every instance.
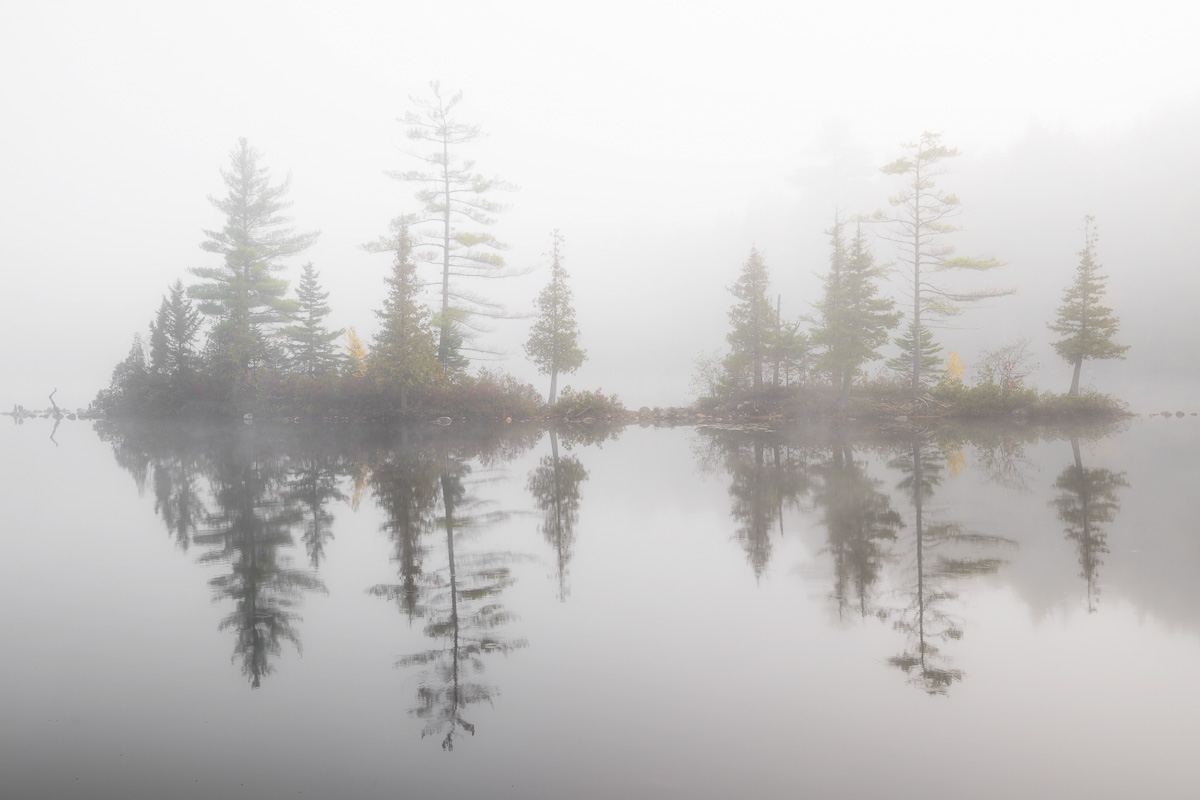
(662, 139)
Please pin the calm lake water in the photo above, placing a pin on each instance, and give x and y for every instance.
(260, 611)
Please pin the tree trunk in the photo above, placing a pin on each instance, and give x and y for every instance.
(1075, 378)
(844, 394)
(553, 386)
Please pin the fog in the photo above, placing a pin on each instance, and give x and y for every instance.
(663, 140)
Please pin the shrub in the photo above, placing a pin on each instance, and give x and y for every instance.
(577, 405)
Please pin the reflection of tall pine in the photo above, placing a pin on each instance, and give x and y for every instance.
(249, 530)
(309, 342)
(555, 489)
(1086, 325)
(554, 340)
(463, 615)
(1086, 503)
(941, 553)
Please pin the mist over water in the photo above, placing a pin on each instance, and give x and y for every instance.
(264, 610)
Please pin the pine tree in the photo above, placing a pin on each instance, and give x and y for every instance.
(183, 323)
(448, 232)
(752, 323)
(921, 221)
(309, 343)
(403, 354)
(930, 362)
(244, 294)
(1087, 326)
(854, 320)
(159, 354)
(553, 343)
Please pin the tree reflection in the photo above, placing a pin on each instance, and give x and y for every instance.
(250, 529)
(766, 474)
(554, 485)
(941, 552)
(458, 600)
(860, 524)
(406, 482)
(1086, 502)
(314, 481)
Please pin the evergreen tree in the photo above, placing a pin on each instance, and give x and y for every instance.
(309, 343)
(921, 221)
(1087, 326)
(183, 323)
(752, 324)
(854, 320)
(403, 354)
(554, 341)
(448, 232)
(159, 355)
(244, 294)
(930, 362)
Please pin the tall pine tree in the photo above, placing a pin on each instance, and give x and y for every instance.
(244, 293)
(1087, 326)
(553, 343)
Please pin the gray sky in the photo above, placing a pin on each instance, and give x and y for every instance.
(662, 139)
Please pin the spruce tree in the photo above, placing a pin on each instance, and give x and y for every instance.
(1087, 326)
(854, 320)
(309, 343)
(930, 362)
(159, 349)
(244, 294)
(403, 354)
(752, 324)
(183, 323)
(553, 343)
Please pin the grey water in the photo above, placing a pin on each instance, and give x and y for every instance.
(281, 611)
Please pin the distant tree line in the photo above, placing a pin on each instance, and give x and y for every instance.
(236, 341)
(770, 359)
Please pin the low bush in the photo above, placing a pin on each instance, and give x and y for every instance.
(572, 404)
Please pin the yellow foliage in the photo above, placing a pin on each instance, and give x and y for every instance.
(358, 354)
(952, 375)
(957, 461)
(359, 473)
(954, 366)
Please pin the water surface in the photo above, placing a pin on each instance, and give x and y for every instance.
(259, 611)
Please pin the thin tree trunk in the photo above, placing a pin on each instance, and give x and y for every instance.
(553, 386)
(444, 333)
(1075, 378)
(916, 369)
(844, 395)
